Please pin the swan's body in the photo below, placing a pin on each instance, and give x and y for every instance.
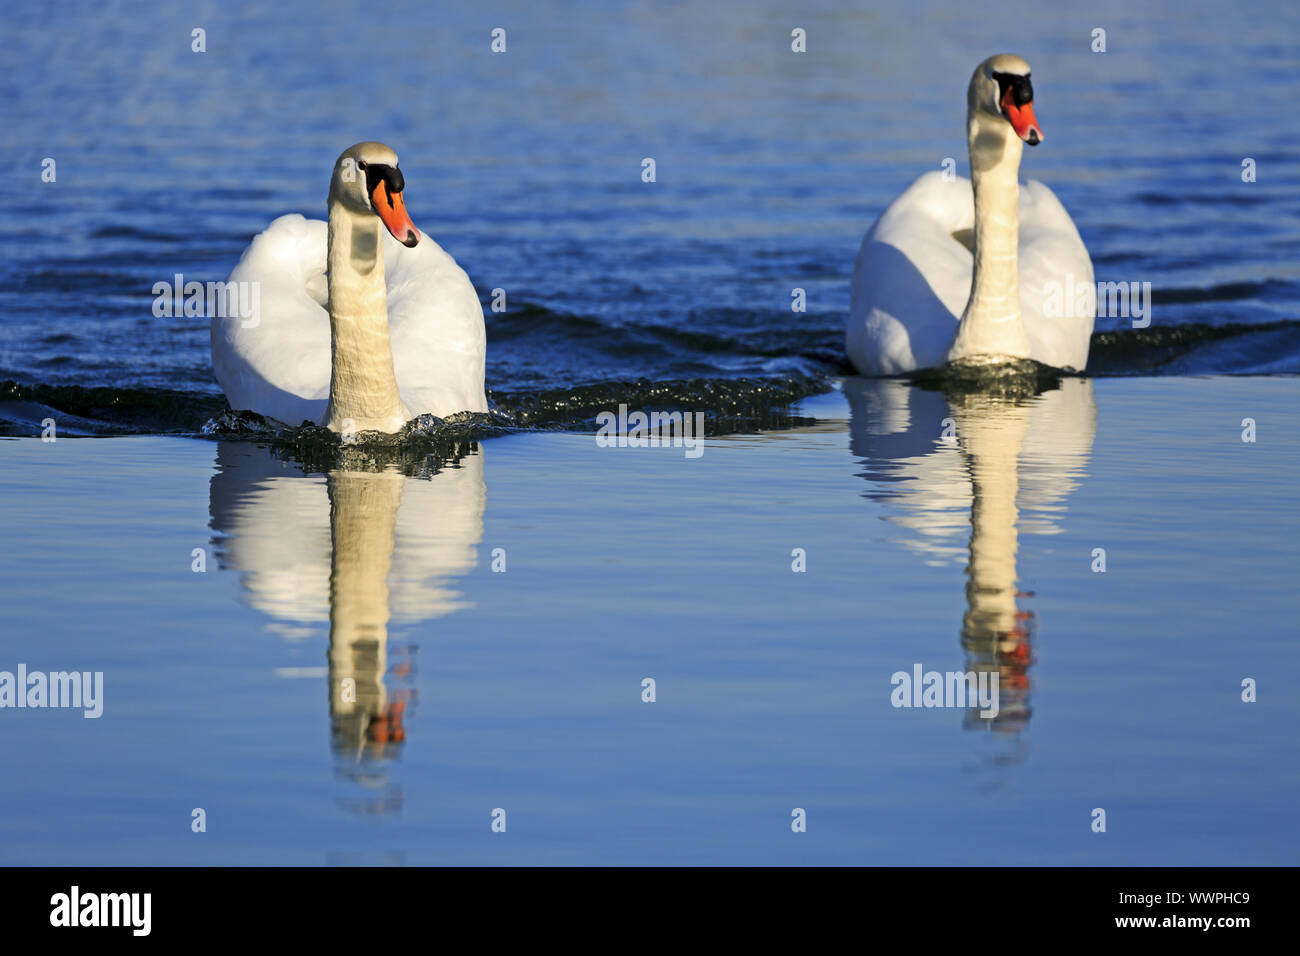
(976, 270)
(355, 329)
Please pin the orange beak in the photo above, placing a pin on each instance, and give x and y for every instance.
(1021, 118)
(392, 210)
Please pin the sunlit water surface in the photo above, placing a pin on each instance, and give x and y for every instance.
(527, 167)
(351, 681)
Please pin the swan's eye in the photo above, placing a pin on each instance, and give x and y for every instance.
(361, 164)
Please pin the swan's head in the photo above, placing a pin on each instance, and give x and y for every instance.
(1000, 88)
(366, 179)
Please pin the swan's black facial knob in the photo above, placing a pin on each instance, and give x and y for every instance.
(385, 184)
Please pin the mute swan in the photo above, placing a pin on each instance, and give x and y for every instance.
(945, 275)
(390, 330)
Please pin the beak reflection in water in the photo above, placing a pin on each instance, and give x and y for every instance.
(364, 545)
(1005, 468)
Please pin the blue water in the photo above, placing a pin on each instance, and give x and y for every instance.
(475, 688)
(522, 688)
(526, 166)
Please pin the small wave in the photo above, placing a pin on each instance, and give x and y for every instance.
(540, 347)
(1225, 292)
(104, 410)
(131, 232)
(1266, 348)
(729, 406)
(425, 446)
(74, 280)
(1232, 198)
(1010, 380)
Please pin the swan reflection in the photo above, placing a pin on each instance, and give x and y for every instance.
(962, 476)
(367, 544)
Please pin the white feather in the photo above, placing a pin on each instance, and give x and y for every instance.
(281, 367)
(912, 278)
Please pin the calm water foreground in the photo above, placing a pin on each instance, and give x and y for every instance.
(350, 681)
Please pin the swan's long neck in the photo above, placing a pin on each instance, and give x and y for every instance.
(363, 386)
(991, 329)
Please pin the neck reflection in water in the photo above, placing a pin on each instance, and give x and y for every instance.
(965, 473)
(369, 542)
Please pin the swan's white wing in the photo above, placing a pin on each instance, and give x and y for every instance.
(436, 323)
(1053, 257)
(281, 366)
(912, 278)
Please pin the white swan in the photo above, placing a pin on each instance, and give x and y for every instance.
(390, 330)
(945, 275)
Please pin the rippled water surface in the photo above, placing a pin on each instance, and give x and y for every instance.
(526, 166)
